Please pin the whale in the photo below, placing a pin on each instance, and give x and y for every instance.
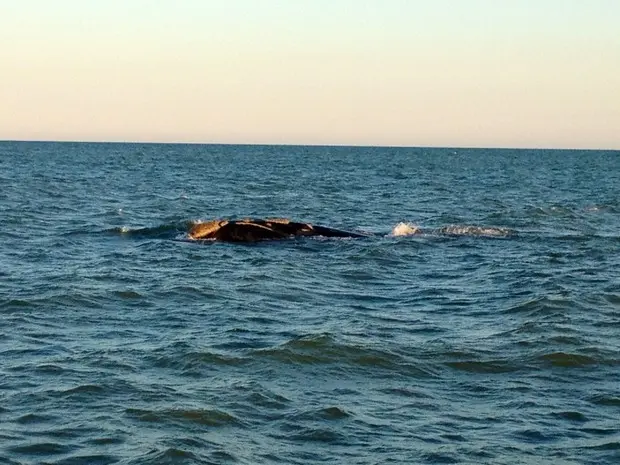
(256, 229)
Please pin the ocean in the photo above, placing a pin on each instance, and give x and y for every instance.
(492, 335)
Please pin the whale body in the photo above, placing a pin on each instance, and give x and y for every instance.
(252, 230)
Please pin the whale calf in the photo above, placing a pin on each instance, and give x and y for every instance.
(253, 230)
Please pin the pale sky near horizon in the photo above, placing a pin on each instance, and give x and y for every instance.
(486, 73)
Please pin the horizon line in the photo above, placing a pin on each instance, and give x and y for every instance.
(290, 144)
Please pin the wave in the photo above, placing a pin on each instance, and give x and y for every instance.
(41, 448)
(571, 360)
(207, 417)
(543, 305)
(163, 231)
(573, 211)
(484, 366)
(534, 362)
(324, 349)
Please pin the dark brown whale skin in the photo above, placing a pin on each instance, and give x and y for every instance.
(253, 230)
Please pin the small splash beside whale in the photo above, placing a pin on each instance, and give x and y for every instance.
(405, 229)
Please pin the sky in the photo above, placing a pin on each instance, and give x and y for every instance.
(449, 73)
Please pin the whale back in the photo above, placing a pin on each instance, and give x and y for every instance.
(206, 230)
(248, 231)
(252, 230)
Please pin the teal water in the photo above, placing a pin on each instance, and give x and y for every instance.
(122, 342)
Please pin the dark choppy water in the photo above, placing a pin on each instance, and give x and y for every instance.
(122, 343)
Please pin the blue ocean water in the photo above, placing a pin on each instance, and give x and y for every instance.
(492, 336)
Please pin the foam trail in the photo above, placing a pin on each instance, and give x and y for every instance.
(465, 230)
(405, 229)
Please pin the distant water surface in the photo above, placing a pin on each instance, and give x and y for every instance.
(492, 336)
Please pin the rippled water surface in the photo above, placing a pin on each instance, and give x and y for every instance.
(492, 336)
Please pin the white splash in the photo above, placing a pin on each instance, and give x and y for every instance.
(405, 229)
